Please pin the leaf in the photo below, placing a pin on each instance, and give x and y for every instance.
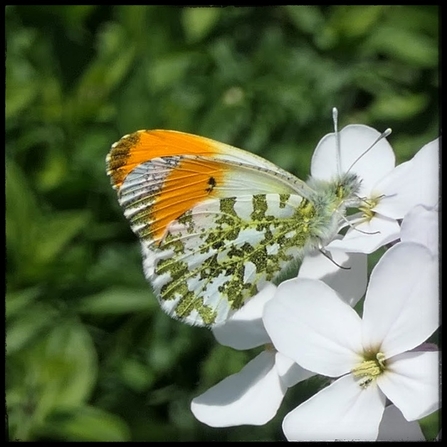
(22, 85)
(118, 300)
(20, 300)
(28, 326)
(56, 373)
(55, 169)
(56, 231)
(70, 364)
(34, 240)
(21, 208)
(59, 369)
(408, 46)
(356, 21)
(104, 73)
(136, 375)
(75, 16)
(308, 19)
(198, 22)
(398, 107)
(108, 268)
(169, 69)
(85, 423)
(431, 426)
(19, 97)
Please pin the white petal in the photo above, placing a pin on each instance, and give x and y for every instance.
(251, 396)
(421, 225)
(394, 427)
(290, 372)
(411, 382)
(309, 323)
(354, 141)
(245, 329)
(401, 307)
(341, 411)
(415, 182)
(368, 236)
(349, 282)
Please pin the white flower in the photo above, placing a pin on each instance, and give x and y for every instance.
(345, 272)
(253, 395)
(421, 225)
(370, 357)
(388, 192)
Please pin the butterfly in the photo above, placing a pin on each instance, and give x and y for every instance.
(217, 223)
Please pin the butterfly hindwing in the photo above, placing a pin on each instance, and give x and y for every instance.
(223, 251)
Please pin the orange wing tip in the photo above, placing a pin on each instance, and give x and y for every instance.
(143, 145)
(121, 160)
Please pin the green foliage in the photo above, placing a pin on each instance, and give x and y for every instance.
(430, 426)
(89, 355)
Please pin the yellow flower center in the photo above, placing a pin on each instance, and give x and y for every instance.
(369, 370)
(367, 207)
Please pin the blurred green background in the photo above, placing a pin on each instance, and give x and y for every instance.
(89, 354)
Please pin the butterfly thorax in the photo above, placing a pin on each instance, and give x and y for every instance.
(330, 199)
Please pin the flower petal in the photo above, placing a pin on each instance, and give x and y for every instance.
(349, 282)
(309, 323)
(290, 372)
(245, 329)
(411, 382)
(251, 396)
(341, 411)
(394, 427)
(368, 236)
(355, 139)
(421, 225)
(401, 307)
(415, 182)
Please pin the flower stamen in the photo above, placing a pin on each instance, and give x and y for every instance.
(367, 208)
(369, 370)
(269, 347)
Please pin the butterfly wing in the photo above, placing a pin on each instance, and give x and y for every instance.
(222, 252)
(176, 190)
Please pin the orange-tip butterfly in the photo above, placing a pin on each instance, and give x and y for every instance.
(217, 223)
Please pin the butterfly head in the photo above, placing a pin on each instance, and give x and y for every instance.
(347, 189)
(339, 193)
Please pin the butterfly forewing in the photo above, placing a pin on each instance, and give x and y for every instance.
(145, 145)
(162, 188)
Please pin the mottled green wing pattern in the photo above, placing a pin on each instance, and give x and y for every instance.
(222, 252)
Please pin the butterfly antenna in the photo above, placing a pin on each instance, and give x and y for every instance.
(328, 256)
(337, 138)
(384, 134)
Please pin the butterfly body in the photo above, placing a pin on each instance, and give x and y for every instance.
(217, 223)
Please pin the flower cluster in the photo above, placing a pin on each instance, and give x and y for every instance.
(383, 374)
